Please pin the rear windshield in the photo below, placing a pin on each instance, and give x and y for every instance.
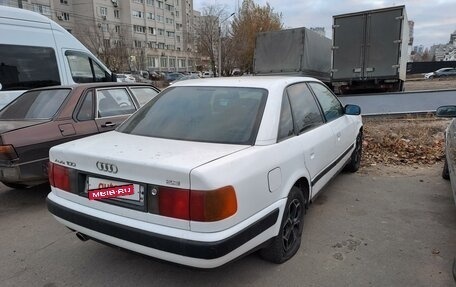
(206, 114)
(35, 105)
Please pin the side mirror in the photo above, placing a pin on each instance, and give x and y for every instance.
(446, 111)
(352, 110)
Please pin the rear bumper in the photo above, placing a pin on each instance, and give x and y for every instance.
(207, 254)
(28, 173)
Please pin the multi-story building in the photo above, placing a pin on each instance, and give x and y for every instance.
(453, 38)
(128, 34)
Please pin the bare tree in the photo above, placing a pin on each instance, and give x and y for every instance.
(228, 55)
(251, 19)
(207, 33)
(107, 43)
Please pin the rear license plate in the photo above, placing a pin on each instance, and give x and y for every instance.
(101, 188)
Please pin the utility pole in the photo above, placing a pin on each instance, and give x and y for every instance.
(220, 45)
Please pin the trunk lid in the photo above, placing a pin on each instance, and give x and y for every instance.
(149, 160)
(11, 125)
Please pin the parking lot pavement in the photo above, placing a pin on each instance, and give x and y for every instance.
(382, 226)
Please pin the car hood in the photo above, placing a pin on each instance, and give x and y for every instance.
(11, 125)
(142, 159)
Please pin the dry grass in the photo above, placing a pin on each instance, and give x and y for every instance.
(434, 84)
(409, 141)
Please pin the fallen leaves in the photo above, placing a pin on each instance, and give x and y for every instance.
(409, 141)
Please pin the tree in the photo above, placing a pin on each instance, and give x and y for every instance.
(228, 55)
(207, 31)
(107, 44)
(248, 22)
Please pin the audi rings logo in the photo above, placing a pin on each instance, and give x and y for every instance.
(107, 167)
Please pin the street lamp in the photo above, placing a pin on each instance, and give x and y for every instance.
(220, 45)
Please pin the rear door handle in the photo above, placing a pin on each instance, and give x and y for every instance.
(108, 125)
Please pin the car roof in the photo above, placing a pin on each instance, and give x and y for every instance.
(22, 14)
(94, 85)
(265, 82)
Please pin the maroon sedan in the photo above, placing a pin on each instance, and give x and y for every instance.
(42, 118)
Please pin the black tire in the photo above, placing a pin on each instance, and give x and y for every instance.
(445, 171)
(15, 185)
(288, 241)
(355, 159)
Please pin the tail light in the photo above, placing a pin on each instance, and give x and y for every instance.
(173, 202)
(59, 176)
(212, 205)
(7, 152)
(196, 205)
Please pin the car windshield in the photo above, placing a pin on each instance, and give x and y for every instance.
(32, 105)
(205, 114)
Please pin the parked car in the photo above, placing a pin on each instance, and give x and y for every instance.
(449, 166)
(37, 52)
(42, 118)
(208, 170)
(208, 74)
(171, 77)
(125, 78)
(443, 72)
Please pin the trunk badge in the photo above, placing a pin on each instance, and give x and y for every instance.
(107, 167)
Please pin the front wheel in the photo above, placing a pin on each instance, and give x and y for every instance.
(288, 241)
(355, 159)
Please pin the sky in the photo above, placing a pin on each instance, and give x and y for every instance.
(434, 20)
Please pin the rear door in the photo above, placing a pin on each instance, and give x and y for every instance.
(27, 57)
(348, 50)
(113, 106)
(316, 139)
(383, 41)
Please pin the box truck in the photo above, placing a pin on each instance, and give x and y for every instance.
(369, 50)
(297, 51)
(36, 52)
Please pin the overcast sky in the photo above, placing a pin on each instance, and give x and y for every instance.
(434, 20)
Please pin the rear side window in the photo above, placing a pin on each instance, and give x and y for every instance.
(86, 111)
(205, 114)
(306, 114)
(35, 105)
(84, 69)
(143, 94)
(286, 120)
(24, 67)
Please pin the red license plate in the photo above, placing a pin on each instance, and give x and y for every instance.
(111, 192)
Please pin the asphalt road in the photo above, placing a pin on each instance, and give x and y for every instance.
(382, 226)
(399, 103)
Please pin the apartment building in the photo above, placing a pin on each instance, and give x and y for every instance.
(153, 35)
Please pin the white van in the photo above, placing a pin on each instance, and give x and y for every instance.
(36, 52)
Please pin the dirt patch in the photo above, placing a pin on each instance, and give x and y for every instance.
(408, 141)
(430, 84)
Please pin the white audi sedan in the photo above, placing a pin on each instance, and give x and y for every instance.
(208, 170)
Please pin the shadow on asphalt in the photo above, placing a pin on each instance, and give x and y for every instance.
(27, 197)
